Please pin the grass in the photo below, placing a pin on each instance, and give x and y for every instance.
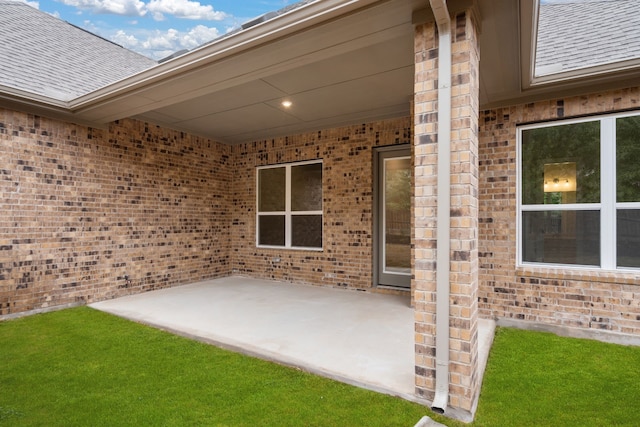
(81, 367)
(540, 379)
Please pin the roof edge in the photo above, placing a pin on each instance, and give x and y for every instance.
(30, 98)
(608, 69)
(41, 106)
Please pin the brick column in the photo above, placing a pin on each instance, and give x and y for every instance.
(424, 211)
(463, 331)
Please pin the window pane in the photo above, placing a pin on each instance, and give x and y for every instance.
(627, 157)
(561, 164)
(628, 234)
(271, 191)
(561, 237)
(306, 187)
(397, 215)
(306, 231)
(271, 230)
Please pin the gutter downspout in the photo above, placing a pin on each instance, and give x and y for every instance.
(443, 233)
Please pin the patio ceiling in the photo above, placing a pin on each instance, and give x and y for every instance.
(339, 62)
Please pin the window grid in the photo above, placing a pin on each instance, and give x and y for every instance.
(288, 212)
(608, 193)
(608, 205)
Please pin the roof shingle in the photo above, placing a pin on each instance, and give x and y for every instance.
(46, 56)
(586, 33)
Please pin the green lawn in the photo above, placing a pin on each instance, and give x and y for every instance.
(84, 367)
(540, 379)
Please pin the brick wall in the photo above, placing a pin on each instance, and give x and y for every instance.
(89, 214)
(576, 298)
(347, 156)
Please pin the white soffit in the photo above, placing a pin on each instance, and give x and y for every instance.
(253, 92)
(236, 63)
(231, 122)
(378, 58)
(369, 92)
(350, 64)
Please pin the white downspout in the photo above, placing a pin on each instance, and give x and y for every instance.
(443, 234)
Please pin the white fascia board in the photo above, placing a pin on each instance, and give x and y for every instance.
(608, 69)
(33, 99)
(38, 105)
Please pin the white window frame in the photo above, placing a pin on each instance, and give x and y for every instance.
(288, 212)
(608, 205)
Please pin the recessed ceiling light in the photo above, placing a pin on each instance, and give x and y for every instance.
(287, 104)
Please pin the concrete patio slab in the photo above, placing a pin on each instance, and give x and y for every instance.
(360, 338)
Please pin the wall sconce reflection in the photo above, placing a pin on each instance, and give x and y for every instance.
(559, 177)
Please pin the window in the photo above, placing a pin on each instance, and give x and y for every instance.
(579, 193)
(290, 206)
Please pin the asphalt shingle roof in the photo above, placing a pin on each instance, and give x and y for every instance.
(46, 56)
(586, 33)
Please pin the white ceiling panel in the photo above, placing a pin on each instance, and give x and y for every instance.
(367, 93)
(360, 116)
(372, 60)
(251, 93)
(246, 119)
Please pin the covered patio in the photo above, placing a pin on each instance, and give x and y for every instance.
(364, 339)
